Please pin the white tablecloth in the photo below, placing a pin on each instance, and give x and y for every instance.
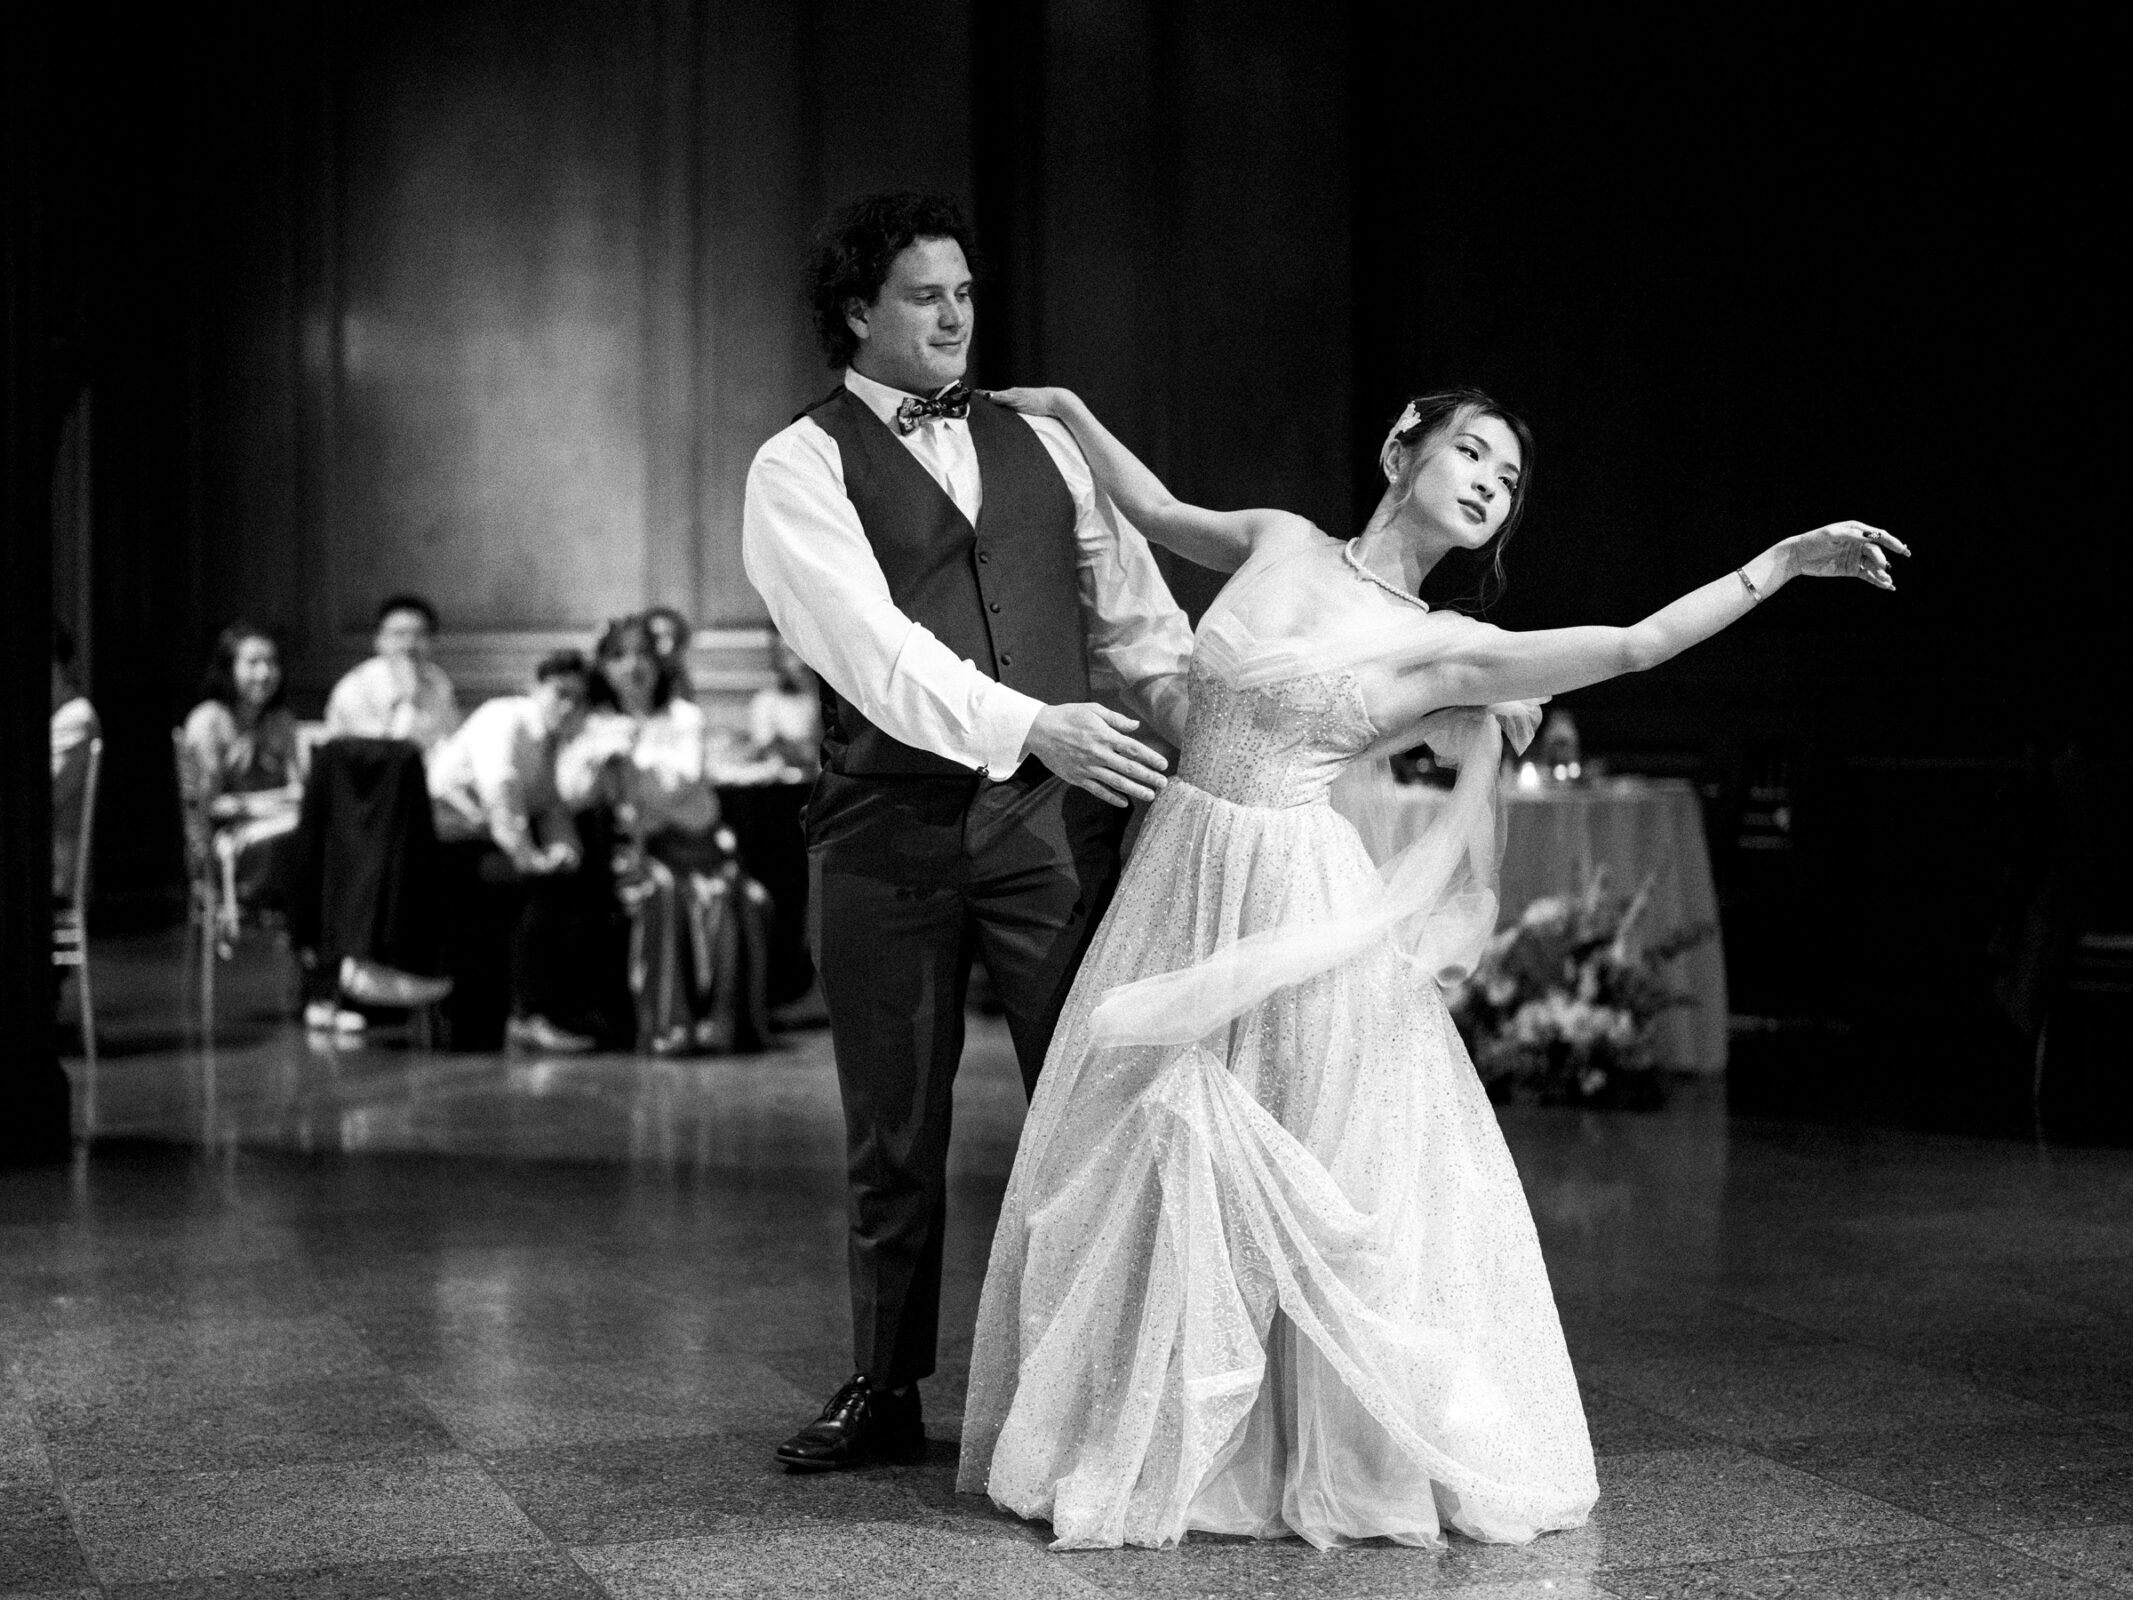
(1556, 835)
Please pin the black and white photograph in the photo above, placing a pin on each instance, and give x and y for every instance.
(1064, 799)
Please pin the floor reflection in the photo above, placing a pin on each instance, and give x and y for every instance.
(376, 1320)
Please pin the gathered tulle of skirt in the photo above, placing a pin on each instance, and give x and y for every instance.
(698, 947)
(1281, 1280)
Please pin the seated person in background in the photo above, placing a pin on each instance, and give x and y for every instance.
(244, 767)
(399, 693)
(74, 724)
(698, 924)
(785, 717)
(671, 634)
(493, 788)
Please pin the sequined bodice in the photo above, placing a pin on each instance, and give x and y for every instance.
(1279, 744)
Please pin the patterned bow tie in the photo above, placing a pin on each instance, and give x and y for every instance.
(953, 401)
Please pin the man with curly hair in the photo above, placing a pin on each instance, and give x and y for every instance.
(949, 571)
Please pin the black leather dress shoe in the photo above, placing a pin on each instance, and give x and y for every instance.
(859, 1425)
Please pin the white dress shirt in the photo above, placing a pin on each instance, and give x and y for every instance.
(381, 699)
(808, 556)
(496, 774)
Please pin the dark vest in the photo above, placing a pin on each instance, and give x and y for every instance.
(1004, 595)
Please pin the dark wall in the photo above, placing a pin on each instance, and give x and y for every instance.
(1744, 283)
(493, 301)
(498, 299)
(34, 1110)
(1171, 200)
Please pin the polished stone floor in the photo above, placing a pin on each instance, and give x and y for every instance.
(370, 1322)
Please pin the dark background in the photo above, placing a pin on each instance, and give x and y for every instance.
(497, 299)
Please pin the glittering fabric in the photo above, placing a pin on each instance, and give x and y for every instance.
(1282, 1279)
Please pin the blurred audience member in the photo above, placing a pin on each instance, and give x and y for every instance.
(696, 963)
(493, 785)
(244, 766)
(785, 717)
(74, 724)
(671, 634)
(399, 693)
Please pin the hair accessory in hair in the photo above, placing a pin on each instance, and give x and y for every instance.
(1410, 417)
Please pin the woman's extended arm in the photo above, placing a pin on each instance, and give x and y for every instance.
(1494, 664)
(1222, 540)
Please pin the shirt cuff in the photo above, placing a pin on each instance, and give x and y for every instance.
(1003, 730)
(1168, 699)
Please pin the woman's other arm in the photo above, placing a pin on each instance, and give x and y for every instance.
(1492, 665)
(1223, 540)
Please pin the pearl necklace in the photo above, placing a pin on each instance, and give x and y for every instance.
(1356, 566)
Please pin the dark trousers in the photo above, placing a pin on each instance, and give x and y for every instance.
(550, 946)
(909, 880)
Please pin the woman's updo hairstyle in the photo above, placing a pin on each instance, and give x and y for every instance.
(1432, 417)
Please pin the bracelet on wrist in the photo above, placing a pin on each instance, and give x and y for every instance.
(1755, 595)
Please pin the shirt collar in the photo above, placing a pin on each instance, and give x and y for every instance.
(879, 397)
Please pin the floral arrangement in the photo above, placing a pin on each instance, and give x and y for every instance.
(1562, 1002)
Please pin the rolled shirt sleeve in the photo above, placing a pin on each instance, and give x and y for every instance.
(1135, 629)
(807, 555)
(497, 753)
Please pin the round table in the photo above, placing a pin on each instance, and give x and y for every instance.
(1559, 833)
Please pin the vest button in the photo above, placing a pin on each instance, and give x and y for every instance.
(984, 555)
(992, 605)
(1007, 661)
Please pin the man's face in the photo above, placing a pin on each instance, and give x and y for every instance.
(560, 701)
(916, 334)
(403, 636)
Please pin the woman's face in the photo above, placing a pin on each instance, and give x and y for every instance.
(1465, 486)
(666, 637)
(256, 671)
(632, 671)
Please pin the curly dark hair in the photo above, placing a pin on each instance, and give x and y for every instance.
(614, 638)
(221, 680)
(1435, 415)
(855, 247)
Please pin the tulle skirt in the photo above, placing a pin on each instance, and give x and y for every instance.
(1281, 1280)
(699, 939)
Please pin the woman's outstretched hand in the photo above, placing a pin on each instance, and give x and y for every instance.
(1032, 402)
(1846, 550)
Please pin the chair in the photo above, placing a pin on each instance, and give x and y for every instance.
(70, 924)
(211, 890)
(2098, 967)
(213, 912)
(2060, 948)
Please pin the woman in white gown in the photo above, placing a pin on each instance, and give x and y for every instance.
(1264, 1266)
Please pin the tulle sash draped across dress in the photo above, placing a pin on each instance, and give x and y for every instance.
(1264, 1265)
